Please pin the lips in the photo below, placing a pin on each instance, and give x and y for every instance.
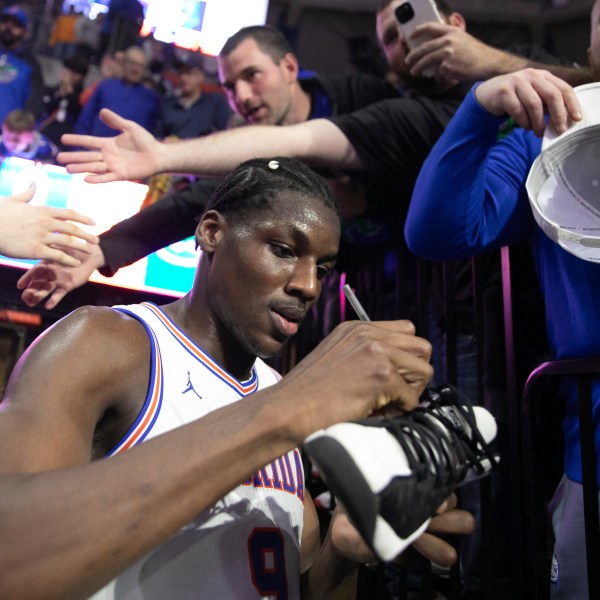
(287, 319)
(250, 114)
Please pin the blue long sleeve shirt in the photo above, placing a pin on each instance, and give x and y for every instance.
(15, 83)
(131, 101)
(470, 197)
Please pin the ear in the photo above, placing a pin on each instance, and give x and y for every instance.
(210, 231)
(457, 20)
(289, 63)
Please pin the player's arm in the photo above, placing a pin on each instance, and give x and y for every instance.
(74, 526)
(135, 153)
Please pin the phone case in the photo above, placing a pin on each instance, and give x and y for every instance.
(413, 13)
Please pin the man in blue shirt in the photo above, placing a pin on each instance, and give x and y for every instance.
(191, 111)
(488, 208)
(21, 82)
(128, 95)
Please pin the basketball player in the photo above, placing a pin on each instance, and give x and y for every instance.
(164, 518)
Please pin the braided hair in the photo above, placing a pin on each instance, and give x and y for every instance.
(256, 184)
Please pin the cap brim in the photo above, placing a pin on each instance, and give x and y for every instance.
(564, 191)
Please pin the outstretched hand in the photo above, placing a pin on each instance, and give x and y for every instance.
(448, 520)
(527, 96)
(44, 232)
(133, 154)
(48, 279)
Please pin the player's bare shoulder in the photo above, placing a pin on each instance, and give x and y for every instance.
(92, 363)
(90, 328)
(103, 347)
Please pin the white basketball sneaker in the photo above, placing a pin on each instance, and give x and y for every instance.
(391, 474)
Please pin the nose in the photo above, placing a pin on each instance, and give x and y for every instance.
(304, 281)
(242, 92)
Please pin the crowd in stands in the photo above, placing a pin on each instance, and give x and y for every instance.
(414, 185)
(104, 63)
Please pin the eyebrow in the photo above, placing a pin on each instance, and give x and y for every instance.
(300, 235)
(228, 83)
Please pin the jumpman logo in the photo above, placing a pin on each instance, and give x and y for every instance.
(190, 387)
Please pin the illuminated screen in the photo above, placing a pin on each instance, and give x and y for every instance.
(201, 25)
(168, 271)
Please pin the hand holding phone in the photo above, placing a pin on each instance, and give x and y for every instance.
(413, 13)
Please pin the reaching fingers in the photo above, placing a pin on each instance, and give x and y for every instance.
(561, 101)
(36, 291)
(81, 162)
(41, 282)
(455, 521)
(435, 549)
(25, 196)
(66, 214)
(452, 521)
(77, 156)
(533, 96)
(31, 274)
(69, 235)
(56, 296)
(90, 163)
(449, 504)
(61, 257)
(91, 142)
(33, 297)
(112, 119)
(536, 93)
(527, 96)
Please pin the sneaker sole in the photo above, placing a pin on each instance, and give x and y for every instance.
(355, 493)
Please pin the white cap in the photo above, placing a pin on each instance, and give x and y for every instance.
(564, 181)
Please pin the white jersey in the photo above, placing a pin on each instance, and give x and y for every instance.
(248, 544)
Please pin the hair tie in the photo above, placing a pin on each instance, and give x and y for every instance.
(273, 164)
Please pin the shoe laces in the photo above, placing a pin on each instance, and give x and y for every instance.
(446, 452)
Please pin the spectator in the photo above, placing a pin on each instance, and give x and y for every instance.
(258, 66)
(62, 102)
(128, 94)
(111, 67)
(260, 74)
(489, 208)
(21, 139)
(21, 83)
(190, 111)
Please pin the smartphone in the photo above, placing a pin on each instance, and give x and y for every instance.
(413, 13)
